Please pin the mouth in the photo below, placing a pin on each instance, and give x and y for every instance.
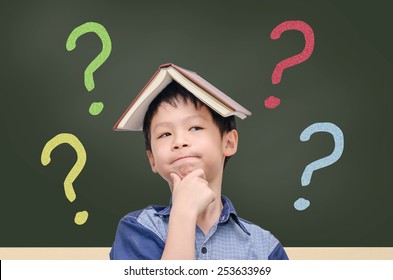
(183, 158)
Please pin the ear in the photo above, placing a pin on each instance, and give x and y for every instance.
(230, 141)
(151, 161)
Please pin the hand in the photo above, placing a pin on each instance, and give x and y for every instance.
(192, 193)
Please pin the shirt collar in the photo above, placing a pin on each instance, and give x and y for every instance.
(227, 211)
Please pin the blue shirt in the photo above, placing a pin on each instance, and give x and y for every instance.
(141, 235)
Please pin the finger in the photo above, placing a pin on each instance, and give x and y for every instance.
(175, 180)
(198, 173)
(214, 198)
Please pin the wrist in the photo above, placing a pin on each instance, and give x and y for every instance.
(184, 214)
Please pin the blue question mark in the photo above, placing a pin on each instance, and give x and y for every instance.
(302, 204)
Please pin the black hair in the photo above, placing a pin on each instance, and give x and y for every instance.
(173, 93)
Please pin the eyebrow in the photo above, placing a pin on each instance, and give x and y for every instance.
(187, 119)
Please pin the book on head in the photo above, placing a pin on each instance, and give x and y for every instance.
(132, 118)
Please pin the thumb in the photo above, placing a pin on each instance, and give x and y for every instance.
(175, 180)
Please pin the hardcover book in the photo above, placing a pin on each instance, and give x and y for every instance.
(132, 118)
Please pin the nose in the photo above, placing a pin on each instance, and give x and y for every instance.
(180, 142)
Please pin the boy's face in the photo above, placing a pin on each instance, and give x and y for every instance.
(185, 138)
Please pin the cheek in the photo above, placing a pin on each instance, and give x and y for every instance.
(160, 155)
(212, 148)
(161, 166)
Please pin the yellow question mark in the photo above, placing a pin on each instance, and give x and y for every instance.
(62, 138)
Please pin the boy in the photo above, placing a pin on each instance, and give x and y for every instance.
(188, 145)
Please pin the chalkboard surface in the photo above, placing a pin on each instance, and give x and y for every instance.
(346, 82)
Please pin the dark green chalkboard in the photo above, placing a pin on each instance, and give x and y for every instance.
(347, 81)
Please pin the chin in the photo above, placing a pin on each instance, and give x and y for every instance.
(184, 170)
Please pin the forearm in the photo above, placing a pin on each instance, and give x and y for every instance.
(180, 243)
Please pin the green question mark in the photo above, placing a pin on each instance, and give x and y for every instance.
(95, 107)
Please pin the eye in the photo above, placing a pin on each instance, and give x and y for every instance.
(195, 128)
(163, 135)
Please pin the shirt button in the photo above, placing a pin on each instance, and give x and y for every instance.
(204, 250)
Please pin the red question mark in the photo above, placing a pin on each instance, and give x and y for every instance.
(272, 102)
